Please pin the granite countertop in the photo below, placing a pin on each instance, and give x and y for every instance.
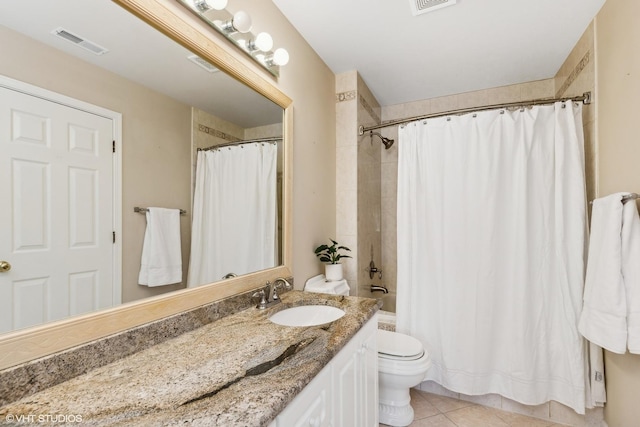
(241, 370)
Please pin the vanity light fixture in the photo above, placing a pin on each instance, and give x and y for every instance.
(236, 27)
(204, 5)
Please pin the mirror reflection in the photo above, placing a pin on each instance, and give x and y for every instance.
(74, 90)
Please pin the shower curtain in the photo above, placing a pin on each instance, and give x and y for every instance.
(234, 212)
(491, 240)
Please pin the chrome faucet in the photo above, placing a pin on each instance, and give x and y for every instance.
(269, 295)
(376, 288)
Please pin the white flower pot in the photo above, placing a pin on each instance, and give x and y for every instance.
(333, 272)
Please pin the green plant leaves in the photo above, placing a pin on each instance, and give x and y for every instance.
(330, 254)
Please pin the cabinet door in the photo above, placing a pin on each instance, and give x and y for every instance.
(355, 371)
(345, 386)
(368, 395)
(311, 408)
(345, 392)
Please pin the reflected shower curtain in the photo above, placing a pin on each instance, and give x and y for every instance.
(234, 212)
(491, 238)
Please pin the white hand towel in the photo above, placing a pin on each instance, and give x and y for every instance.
(631, 272)
(603, 319)
(161, 253)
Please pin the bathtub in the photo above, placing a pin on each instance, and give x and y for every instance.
(387, 315)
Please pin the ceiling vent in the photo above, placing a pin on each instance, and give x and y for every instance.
(418, 7)
(79, 41)
(202, 63)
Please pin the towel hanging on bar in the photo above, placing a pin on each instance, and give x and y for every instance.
(161, 260)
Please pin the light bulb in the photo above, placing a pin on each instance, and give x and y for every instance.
(263, 41)
(281, 57)
(242, 21)
(218, 4)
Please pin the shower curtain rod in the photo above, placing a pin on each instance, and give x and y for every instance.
(248, 141)
(585, 99)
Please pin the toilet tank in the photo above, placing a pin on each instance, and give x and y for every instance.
(321, 285)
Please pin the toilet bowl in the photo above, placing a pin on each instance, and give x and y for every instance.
(402, 364)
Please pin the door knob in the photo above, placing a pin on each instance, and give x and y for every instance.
(4, 266)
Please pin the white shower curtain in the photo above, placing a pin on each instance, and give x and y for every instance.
(491, 239)
(234, 212)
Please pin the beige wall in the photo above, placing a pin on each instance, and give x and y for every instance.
(156, 135)
(618, 127)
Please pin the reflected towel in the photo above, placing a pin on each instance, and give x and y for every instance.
(611, 311)
(161, 262)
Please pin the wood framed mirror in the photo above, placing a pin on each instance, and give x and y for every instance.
(168, 18)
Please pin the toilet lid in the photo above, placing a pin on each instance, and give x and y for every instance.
(398, 346)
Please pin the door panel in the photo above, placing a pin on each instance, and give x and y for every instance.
(56, 225)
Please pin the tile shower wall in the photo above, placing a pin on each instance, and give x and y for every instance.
(575, 77)
(358, 216)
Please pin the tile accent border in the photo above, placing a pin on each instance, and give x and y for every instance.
(574, 74)
(346, 96)
(217, 133)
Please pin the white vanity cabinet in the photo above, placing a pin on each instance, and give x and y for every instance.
(355, 380)
(345, 391)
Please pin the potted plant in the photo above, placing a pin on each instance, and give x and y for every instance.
(331, 256)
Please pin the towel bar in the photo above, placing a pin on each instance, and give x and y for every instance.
(632, 196)
(144, 210)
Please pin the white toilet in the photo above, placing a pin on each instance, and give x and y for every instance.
(402, 362)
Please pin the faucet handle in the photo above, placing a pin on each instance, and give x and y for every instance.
(279, 283)
(263, 298)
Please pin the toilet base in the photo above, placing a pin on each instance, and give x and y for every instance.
(394, 408)
(396, 416)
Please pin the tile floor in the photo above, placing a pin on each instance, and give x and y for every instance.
(432, 410)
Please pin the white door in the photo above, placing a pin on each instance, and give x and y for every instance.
(56, 211)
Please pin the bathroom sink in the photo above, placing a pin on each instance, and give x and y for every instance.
(306, 315)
